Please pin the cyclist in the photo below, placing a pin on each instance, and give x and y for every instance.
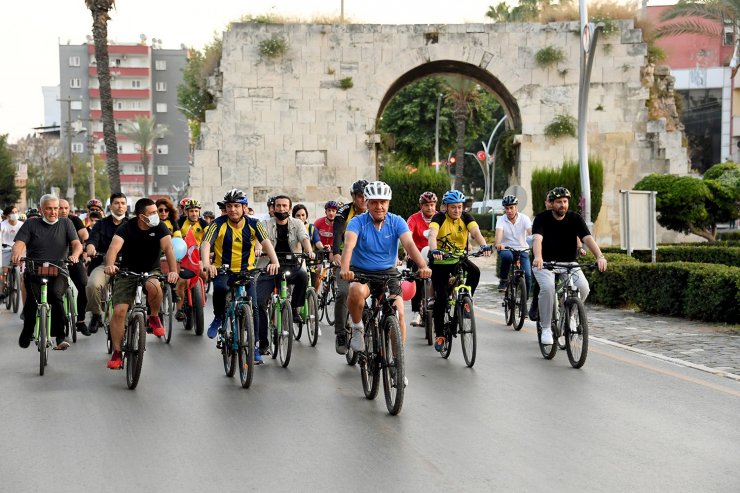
(198, 225)
(181, 214)
(371, 246)
(343, 217)
(301, 212)
(448, 232)
(32, 213)
(93, 205)
(99, 241)
(167, 213)
(512, 230)
(233, 238)
(140, 242)
(209, 216)
(556, 234)
(77, 272)
(325, 225)
(48, 238)
(8, 229)
(419, 225)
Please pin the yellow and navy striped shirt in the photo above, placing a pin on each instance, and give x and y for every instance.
(234, 245)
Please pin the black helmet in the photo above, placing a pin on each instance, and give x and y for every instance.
(271, 201)
(358, 187)
(509, 200)
(32, 212)
(235, 196)
(559, 192)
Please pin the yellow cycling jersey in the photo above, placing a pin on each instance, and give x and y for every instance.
(234, 245)
(198, 228)
(452, 235)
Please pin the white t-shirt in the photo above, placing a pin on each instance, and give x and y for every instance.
(515, 234)
(8, 232)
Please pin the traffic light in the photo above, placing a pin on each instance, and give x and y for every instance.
(451, 161)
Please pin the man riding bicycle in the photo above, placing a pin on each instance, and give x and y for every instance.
(512, 230)
(556, 233)
(140, 242)
(77, 272)
(371, 246)
(419, 225)
(448, 233)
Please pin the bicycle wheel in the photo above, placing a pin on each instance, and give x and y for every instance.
(393, 369)
(351, 356)
(509, 303)
(520, 304)
(272, 329)
(245, 332)
(298, 329)
(466, 329)
(196, 311)
(426, 314)
(135, 346)
(42, 321)
(71, 314)
(16, 288)
(330, 296)
(227, 348)
(370, 365)
(9, 285)
(165, 312)
(548, 350)
(576, 332)
(285, 337)
(449, 324)
(312, 324)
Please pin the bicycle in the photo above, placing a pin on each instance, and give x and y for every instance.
(515, 293)
(279, 317)
(568, 315)
(328, 293)
(70, 309)
(236, 336)
(383, 344)
(425, 311)
(459, 309)
(192, 306)
(310, 311)
(12, 289)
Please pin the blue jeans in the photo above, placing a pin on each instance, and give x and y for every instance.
(507, 259)
(221, 289)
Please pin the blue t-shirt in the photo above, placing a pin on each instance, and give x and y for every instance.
(376, 250)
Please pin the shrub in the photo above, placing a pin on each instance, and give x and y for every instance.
(561, 126)
(610, 288)
(569, 176)
(273, 47)
(548, 56)
(346, 83)
(408, 183)
(484, 221)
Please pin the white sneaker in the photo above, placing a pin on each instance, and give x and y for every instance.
(417, 320)
(405, 381)
(546, 337)
(357, 343)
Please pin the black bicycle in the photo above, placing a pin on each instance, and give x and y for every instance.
(12, 289)
(515, 294)
(328, 292)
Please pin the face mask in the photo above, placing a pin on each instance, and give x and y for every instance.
(153, 220)
(51, 222)
(14, 217)
(282, 215)
(117, 217)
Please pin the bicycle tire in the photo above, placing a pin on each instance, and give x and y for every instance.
(509, 303)
(9, 285)
(447, 346)
(393, 367)
(272, 332)
(520, 304)
(196, 310)
(466, 325)
(71, 314)
(548, 350)
(370, 365)
(351, 356)
(43, 316)
(246, 346)
(331, 297)
(16, 292)
(227, 350)
(285, 336)
(312, 324)
(576, 341)
(165, 313)
(135, 347)
(427, 317)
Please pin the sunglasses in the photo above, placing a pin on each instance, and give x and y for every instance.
(163, 210)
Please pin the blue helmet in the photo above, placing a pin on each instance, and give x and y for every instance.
(453, 197)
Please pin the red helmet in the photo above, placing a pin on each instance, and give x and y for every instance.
(427, 197)
(95, 203)
(183, 202)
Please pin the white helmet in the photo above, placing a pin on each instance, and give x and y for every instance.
(378, 190)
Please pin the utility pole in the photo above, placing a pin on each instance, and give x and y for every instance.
(68, 150)
(91, 153)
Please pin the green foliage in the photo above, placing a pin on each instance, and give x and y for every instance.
(548, 56)
(485, 221)
(193, 98)
(561, 126)
(729, 236)
(526, 11)
(728, 174)
(408, 183)
(9, 194)
(273, 47)
(346, 83)
(506, 151)
(569, 176)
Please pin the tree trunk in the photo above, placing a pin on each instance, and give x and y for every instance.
(100, 35)
(461, 120)
(145, 164)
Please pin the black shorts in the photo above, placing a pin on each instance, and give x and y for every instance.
(394, 285)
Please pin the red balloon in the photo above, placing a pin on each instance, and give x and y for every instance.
(408, 290)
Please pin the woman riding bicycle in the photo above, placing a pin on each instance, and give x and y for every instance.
(448, 233)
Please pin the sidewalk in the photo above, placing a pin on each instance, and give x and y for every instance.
(708, 346)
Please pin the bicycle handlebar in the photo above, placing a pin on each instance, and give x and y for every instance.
(551, 264)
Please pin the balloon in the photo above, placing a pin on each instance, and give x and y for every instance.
(408, 290)
(181, 249)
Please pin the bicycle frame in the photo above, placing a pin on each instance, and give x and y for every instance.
(45, 303)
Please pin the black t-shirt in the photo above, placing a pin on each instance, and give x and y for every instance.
(47, 241)
(281, 242)
(559, 242)
(78, 225)
(141, 250)
(101, 235)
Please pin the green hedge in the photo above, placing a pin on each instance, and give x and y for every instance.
(569, 176)
(408, 183)
(705, 254)
(729, 236)
(484, 221)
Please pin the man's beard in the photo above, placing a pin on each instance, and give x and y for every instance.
(559, 212)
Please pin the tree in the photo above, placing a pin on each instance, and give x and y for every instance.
(144, 131)
(463, 94)
(44, 161)
(526, 11)
(99, 10)
(9, 194)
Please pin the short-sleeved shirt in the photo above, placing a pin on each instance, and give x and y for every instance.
(101, 235)
(326, 231)
(313, 234)
(418, 226)
(344, 215)
(452, 235)
(141, 249)
(8, 232)
(375, 249)
(47, 241)
(198, 228)
(514, 234)
(234, 245)
(559, 242)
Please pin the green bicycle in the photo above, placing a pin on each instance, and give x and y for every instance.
(310, 312)
(279, 319)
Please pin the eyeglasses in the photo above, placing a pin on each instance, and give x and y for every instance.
(163, 210)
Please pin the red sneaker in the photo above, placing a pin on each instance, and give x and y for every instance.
(156, 325)
(116, 361)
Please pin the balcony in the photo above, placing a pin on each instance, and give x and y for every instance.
(125, 158)
(122, 93)
(126, 179)
(122, 49)
(120, 115)
(121, 71)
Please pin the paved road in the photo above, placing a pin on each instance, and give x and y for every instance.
(514, 422)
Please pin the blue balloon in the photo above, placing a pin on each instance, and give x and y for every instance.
(181, 249)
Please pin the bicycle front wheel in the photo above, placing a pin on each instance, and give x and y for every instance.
(520, 304)
(16, 288)
(466, 327)
(227, 348)
(135, 345)
(196, 311)
(509, 303)
(369, 365)
(246, 346)
(576, 332)
(165, 312)
(43, 320)
(71, 314)
(312, 324)
(285, 335)
(330, 296)
(393, 364)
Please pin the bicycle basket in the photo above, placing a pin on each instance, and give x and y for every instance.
(43, 269)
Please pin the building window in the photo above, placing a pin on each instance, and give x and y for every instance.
(161, 170)
(161, 107)
(161, 86)
(75, 83)
(138, 169)
(119, 105)
(160, 65)
(75, 105)
(74, 61)
(117, 62)
(136, 84)
(120, 149)
(77, 147)
(163, 149)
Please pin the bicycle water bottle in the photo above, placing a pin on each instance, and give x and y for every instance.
(242, 292)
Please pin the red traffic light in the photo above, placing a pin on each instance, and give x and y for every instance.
(481, 155)
(451, 161)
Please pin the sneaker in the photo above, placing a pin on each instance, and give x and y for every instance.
(546, 337)
(501, 287)
(357, 343)
(340, 344)
(116, 361)
(156, 325)
(417, 320)
(213, 328)
(439, 344)
(258, 356)
(297, 317)
(62, 345)
(264, 349)
(180, 315)
(82, 328)
(534, 314)
(405, 381)
(24, 340)
(95, 322)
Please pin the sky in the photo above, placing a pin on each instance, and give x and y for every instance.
(30, 33)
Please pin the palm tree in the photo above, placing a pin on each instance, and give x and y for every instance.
(463, 93)
(99, 10)
(692, 17)
(144, 131)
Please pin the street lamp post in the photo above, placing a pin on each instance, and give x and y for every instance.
(68, 150)
(91, 153)
(436, 134)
